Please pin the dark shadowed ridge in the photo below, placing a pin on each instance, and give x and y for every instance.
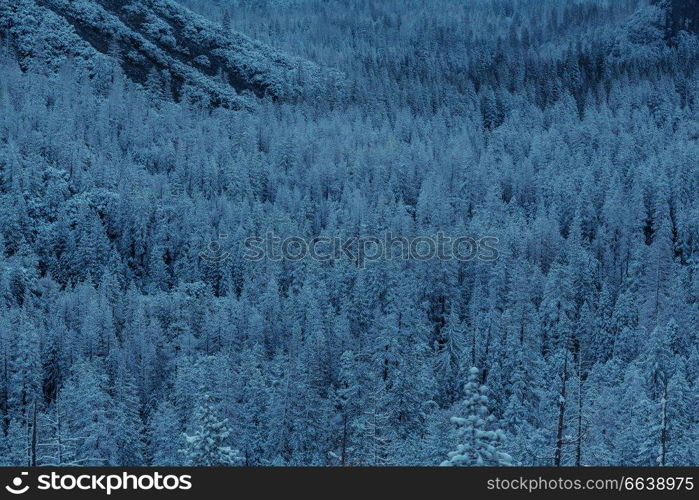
(681, 15)
(157, 42)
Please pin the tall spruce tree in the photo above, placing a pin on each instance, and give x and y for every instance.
(209, 445)
(479, 443)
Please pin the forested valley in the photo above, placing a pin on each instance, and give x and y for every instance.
(568, 130)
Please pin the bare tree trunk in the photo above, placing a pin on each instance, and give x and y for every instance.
(578, 444)
(663, 429)
(484, 374)
(561, 413)
(344, 441)
(58, 435)
(32, 461)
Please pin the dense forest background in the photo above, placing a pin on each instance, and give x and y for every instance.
(568, 130)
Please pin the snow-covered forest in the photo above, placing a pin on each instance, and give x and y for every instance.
(568, 130)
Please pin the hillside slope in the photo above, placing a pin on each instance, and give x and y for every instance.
(156, 42)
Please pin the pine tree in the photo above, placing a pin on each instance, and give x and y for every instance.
(165, 436)
(374, 427)
(636, 439)
(129, 428)
(15, 444)
(479, 445)
(24, 367)
(450, 353)
(521, 416)
(346, 397)
(56, 447)
(208, 445)
(89, 420)
(681, 430)
(253, 406)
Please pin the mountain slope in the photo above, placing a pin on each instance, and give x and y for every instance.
(157, 42)
(681, 15)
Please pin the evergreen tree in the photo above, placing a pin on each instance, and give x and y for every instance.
(208, 446)
(479, 445)
(164, 435)
(89, 417)
(129, 428)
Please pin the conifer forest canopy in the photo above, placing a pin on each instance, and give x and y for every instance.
(145, 144)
